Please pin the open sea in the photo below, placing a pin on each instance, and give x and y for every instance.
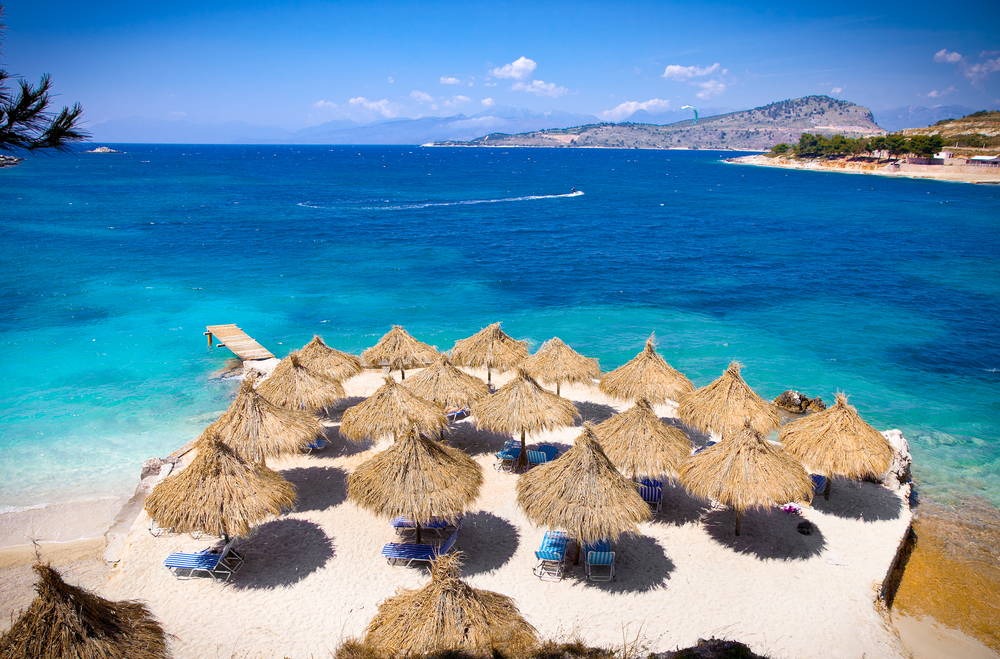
(113, 264)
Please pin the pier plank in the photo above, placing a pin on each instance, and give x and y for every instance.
(238, 341)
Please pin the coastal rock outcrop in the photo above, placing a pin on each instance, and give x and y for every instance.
(898, 475)
(798, 403)
(103, 149)
(9, 161)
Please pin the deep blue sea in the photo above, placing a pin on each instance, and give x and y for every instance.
(113, 264)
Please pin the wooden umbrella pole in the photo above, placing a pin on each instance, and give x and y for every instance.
(417, 524)
(737, 522)
(826, 490)
(522, 459)
(557, 388)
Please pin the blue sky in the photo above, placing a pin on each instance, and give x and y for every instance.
(297, 64)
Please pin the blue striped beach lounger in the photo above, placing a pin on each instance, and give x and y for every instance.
(604, 562)
(401, 551)
(551, 555)
(216, 563)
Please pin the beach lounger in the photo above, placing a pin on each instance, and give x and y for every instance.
(651, 482)
(395, 552)
(550, 557)
(316, 444)
(819, 483)
(404, 525)
(509, 454)
(600, 565)
(651, 494)
(216, 563)
(458, 414)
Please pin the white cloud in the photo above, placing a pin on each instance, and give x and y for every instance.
(391, 80)
(944, 56)
(981, 71)
(421, 97)
(677, 72)
(489, 84)
(488, 102)
(519, 69)
(939, 94)
(625, 109)
(450, 81)
(836, 90)
(325, 105)
(383, 107)
(540, 87)
(710, 88)
(457, 100)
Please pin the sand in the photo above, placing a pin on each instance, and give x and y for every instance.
(955, 174)
(314, 577)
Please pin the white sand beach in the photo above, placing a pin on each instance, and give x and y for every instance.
(315, 576)
(954, 173)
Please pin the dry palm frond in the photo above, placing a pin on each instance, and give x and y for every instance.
(392, 411)
(725, 405)
(418, 478)
(838, 442)
(647, 375)
(257, 429)
(398, 350)
(447, 386)
(294, 386)
(640, 444)
(218, 493)
(746, 471)
(490, 348)
(323, 359)
(67, 621)
(557, 362)
(583, 493)
(447, 615)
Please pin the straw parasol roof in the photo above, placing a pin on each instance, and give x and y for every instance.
(323, 359)
(218, 493)
(258, 430)
(446, 385)
(725, 405)
(583, 493)
(418, 478)
(490, 348)
(640, 444)
(67, 621)
(446, 615)
(522, 406)
(647, 375)
(745, 471)
(557, 362)
(838, 442)
(294, 386)
(392, 411)
(399, 350)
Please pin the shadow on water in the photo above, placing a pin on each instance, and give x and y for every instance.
(593, 412)
(765, 534)
(641, 565)
(859, 500)
(679, 507)
(317, 488)
(487, 542)
(282, 553)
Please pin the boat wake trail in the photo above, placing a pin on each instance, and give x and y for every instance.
(436, 204)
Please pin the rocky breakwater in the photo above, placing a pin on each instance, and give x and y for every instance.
(798, 403)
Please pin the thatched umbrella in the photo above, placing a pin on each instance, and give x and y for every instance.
(67, 621)
(392, 411)
(449, 387)
(838, 442)
(583, 493)
(219, 493)
(522, 406)
(334, 364)
(725, 405)
(647, 375)
(294, 386)
(418, 478)
(448, 615)
(557, 362)
(490, 348)
(258, 429)
(640, 444)
(398, 349)
(745, 471)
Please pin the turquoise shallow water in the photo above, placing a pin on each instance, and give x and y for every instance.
(113, 264)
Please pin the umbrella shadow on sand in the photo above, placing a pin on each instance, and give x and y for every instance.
(859, 500)
(697, 437)
(765, 535)
(593, 412)
(336, 411)
(317, 488)
(338, 446)
(679, 507)
(282, 553)
(488, 542)
(641, 565)
(464, 435)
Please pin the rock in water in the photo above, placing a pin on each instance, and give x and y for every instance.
(798, 403)
(898, 474)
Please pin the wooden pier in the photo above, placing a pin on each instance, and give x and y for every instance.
(232, 337)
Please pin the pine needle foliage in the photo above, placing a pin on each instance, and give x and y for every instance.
(490, 348)
(641, 445)
(725, 405)
(295, 387)
(418, 478)
(323, 359)
(555, 362)
(68, 621)
(838, 442)
(399, 351)
(392, 411)
(583, 493)
(258, 429)
(446, 615)
(647, 375)
(219, 493)
(446, 385)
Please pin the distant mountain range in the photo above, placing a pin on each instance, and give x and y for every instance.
(749, 130)
(916, 116)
